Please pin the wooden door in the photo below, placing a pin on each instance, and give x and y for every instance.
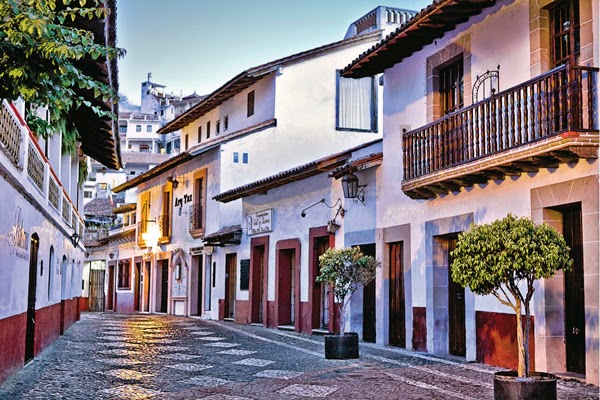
(31, 297)
(369, 301)
(320, 311)
(96, 297)
(456, 309)
(285, 294)
(137, 286)
(397, 326)
(199, 285)
(258, 260)
(111, 288)
(574, 292)
(147, 280)
(230, 279)
(164, 287)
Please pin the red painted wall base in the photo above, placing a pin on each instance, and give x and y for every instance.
(419, 339)
(497, 340)
(12, 344)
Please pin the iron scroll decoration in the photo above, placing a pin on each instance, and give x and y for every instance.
(480, 83)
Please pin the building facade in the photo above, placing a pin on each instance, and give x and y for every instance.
(274, 116)
(490, 113)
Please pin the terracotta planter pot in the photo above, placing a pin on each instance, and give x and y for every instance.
(341, 347)
(539, 386)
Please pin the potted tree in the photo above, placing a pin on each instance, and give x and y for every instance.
(344, 270)
(504, 259)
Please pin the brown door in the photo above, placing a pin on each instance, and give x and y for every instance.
(137, 286)
(456, 309)
(369, 331)
(285, 293)
(230, 279)
(397, 317)
(574, 294)
(320, 311)
(111, 288)
(96, 297)
(197, 282)
(258, 260)
(164, 287)
(147, 280)
(31, 297)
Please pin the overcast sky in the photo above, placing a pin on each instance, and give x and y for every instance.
(197, 45)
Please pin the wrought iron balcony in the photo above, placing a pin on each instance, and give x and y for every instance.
(541, 123)
(164, 225)
(142, 227)
(196, 227)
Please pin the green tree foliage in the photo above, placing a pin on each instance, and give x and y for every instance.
(41, 58)
(345, 270)
(504, 259)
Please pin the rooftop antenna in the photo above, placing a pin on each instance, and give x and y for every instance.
(149, 76)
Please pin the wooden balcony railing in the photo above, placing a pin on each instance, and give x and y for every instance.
(561, 100)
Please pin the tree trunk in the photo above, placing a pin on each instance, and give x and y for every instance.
(527, 335)
(341, 311)
(520, 347)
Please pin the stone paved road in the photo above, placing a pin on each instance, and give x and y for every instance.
(108, 356)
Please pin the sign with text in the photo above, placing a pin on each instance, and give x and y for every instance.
(260, 222)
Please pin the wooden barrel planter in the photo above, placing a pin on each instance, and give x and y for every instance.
(539, 385)
(341, 347)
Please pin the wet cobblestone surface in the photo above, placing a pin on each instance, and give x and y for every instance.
(108, 356)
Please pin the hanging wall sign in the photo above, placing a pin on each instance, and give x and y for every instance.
(260, 222)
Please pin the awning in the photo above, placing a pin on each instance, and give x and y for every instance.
(228, 236)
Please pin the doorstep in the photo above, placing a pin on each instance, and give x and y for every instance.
(320, 332)
(570, 376)
(290, 328)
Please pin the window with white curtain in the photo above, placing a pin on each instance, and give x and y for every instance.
(356, 104)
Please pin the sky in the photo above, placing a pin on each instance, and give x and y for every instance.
(198, 45)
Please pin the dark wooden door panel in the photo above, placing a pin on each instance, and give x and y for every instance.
(456, 309)
(369, 302)
(574, 292)
(397, 328)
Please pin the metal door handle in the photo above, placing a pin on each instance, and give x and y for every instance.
(575, 331)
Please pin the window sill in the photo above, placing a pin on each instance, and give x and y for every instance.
(197, 233)
(164, 240)
(356, 130)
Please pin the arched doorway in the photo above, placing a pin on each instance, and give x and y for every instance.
(31, 297)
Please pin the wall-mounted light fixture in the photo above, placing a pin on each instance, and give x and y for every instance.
(87, 254)
(352, 189)
(75, 238)
(111, 255)
(303, 213)
(173, 181)
(103, 170)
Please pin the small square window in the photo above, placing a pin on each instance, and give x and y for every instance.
(148, 128)
(250, 104)
(129, 146)
(217, 127)
(132, 173)
(138, 128)
(122, 128)
(245, 158)
(225, 123)
(236, 157)
(208, 129)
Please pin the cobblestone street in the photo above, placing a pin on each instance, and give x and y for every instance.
(111, 356)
